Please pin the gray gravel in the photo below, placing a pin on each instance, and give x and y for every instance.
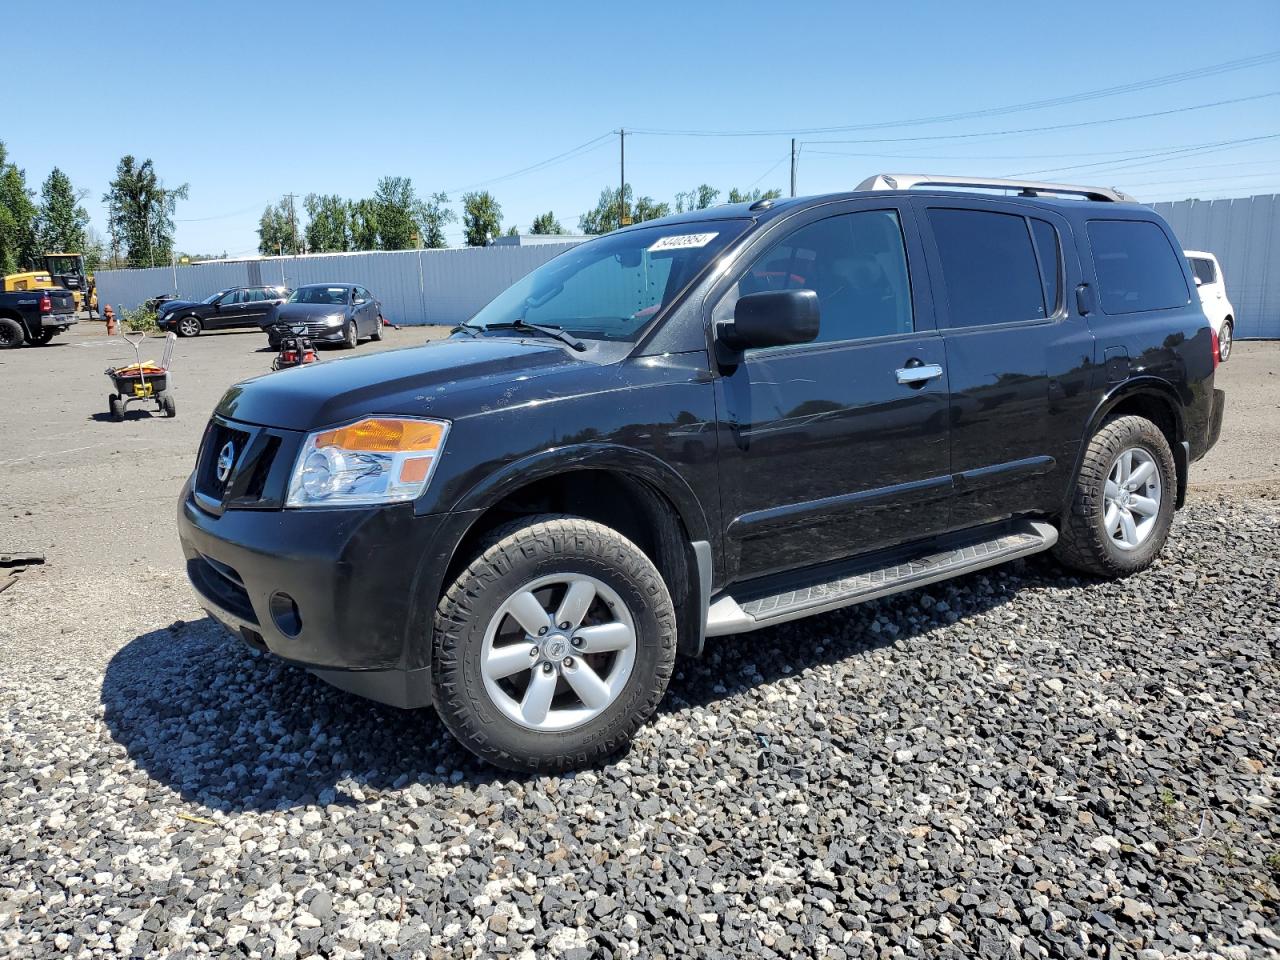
(1019, 763)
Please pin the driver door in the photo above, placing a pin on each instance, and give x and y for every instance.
(840, 446)
(230, 310)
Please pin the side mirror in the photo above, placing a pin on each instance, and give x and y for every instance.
(771, 318)
(1199, 282)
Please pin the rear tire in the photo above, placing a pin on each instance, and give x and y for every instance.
(45, 338)
(11, 334)
(116, 406)
(1224, 340)
(377, 329)
(167, 406)
(623, 669)
(1122, 505)
(189, 327)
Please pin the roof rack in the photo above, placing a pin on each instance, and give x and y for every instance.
(1026, 188)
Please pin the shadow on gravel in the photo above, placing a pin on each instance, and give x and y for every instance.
(236, 730)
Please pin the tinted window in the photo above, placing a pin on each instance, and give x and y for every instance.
(856, 264)
(1047, 251)
(1137, 267)
(988, 266)
(232, 297)
(1203, 269)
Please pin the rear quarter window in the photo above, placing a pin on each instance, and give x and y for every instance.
(1137, 267)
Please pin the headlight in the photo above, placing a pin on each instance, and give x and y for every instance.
(376, 460)
(335, 320)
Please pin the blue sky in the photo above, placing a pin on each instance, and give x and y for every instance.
(249, 101)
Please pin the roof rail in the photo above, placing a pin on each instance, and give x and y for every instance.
(1027, 188)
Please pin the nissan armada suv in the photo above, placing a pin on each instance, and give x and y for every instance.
(701, 426)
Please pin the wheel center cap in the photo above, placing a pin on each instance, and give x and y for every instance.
(556, 647)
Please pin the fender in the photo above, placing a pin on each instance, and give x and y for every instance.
(591, 456)
(1160, 390)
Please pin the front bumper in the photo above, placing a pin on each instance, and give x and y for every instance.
(347, 593)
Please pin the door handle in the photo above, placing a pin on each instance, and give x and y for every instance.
(918, 375)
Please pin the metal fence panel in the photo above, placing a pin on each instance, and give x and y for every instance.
(415, 286)
(1244, 234)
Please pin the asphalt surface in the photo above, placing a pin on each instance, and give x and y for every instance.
(1019, 763)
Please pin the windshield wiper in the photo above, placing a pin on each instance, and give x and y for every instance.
(520, 323)
(471, 329)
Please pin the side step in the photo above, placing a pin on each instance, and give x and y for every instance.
(728, 614)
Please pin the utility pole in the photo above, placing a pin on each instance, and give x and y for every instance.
(793, 166)
(293, 223)
(622, 177)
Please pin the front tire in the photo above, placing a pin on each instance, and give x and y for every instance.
(553, 646)
(189, 327)
(350, 336)
(1224, 340)
(1122, 506)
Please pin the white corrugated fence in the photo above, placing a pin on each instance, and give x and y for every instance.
(415, 286)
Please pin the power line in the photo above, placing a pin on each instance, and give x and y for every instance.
(593, 144)
(222, 216)
(1132, 87)
(996, 156)
(1059, 126)
(1174, 154)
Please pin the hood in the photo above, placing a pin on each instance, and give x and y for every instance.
(168, 305)
(439, 379)
(308, 311)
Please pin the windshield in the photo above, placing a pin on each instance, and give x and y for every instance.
(610, 288)
(214, 296)
(337, 295)
(64, 265)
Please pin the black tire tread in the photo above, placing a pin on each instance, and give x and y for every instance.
(1081, 538)
(528, 537)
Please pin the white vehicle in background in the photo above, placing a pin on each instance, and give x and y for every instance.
(1213, 297)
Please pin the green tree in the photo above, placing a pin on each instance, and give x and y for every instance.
(140, 211)
(434, 214)
(328, 223)
(362, 215)
(61, 219)
(398, 210)
(95, 251)
(277, 230)
(481, 218)
(513, 231)
(18, 245)
(604, 216)
(546, 223)
(741, 196)
(699, 198)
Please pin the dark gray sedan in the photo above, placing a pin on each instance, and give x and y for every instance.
(333, 312)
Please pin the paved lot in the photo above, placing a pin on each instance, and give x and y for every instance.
(1019, 763)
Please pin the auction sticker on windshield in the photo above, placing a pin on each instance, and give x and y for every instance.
(683, 241)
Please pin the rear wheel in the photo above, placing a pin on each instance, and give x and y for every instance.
(553, 646)
(167, 406)
(11, 335)
(45, 337)
(377, 329)
(189, 327)
(1123, 502)
(1224, 340)
(116, 406)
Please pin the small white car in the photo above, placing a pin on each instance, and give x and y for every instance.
(1213, 297)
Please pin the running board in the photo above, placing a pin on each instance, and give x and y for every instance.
(728, 615)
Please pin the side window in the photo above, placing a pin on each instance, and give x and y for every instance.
(988, 267)
(1048, 252)
(232, 298)
(1203, 269)
(1137, 268)
(857, 265)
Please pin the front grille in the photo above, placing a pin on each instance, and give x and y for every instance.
(262, 458)
(221, 585)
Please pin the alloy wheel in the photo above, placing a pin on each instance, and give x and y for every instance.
(558, 652)
(189, 326)
(1132, 493)
(1224, 342)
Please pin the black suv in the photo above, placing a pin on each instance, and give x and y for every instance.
(705, 425)
(229, 309)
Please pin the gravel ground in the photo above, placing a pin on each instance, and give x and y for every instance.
(1018, 763)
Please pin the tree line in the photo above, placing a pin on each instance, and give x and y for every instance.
(140, 212)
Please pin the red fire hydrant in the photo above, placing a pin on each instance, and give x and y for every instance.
(109, 315)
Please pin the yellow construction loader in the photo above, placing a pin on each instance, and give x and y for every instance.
(61, 271)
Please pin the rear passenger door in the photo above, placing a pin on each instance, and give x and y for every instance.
(256, 307)
(1019, 355)
(836, 447)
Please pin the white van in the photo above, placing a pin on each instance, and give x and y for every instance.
(1213, 297)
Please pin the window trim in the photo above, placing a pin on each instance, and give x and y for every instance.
(777, 237)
